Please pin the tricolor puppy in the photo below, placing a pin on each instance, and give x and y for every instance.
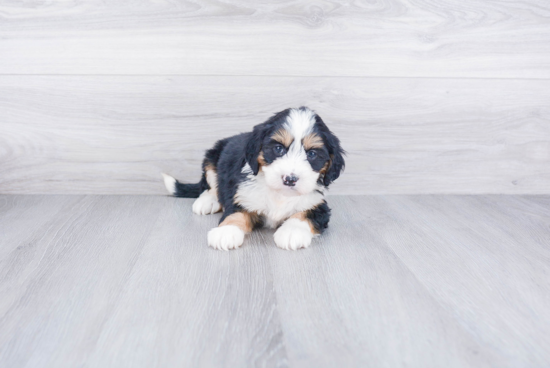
(276, 176)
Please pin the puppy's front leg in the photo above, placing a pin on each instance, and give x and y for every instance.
(298, 231)
(230, 232)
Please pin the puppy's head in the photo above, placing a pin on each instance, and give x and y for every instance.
(296, 152)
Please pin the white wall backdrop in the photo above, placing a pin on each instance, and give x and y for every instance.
(427, 96)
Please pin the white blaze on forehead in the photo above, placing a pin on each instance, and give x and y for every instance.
(300, 123)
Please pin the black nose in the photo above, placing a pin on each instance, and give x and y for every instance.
(290, 180)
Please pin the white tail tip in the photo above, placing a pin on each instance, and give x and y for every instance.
(170, 183)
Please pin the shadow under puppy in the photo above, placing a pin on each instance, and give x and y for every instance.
(275, 176)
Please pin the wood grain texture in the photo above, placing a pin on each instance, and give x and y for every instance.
(504, 266)
(497, 39)
(354, 300)
(416, 281)
(116, 134)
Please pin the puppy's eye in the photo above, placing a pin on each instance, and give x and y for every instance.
(279, 150)
(311, 155)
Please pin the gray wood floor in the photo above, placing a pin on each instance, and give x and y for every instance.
(417, 281)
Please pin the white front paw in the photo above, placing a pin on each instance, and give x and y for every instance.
(206, 204)
(225, 237)
(293, 234)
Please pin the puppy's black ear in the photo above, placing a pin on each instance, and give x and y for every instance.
(254, 146)
(336, 163)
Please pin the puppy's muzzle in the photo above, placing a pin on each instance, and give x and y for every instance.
(290, 180)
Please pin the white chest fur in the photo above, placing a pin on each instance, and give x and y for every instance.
(255, 196)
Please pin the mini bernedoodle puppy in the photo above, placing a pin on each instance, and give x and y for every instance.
(276, 176)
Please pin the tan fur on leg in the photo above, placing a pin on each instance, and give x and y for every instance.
(302, 216)
(243, 220)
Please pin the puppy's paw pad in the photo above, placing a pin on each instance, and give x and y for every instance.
(206, 204)
(225, 237)
(293, 234)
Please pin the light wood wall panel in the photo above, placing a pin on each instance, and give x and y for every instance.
(410, 38)
(116, 134)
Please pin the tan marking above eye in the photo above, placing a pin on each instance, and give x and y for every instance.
(312, 141)
(284, 137)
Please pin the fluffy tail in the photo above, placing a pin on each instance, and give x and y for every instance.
(178, 189)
